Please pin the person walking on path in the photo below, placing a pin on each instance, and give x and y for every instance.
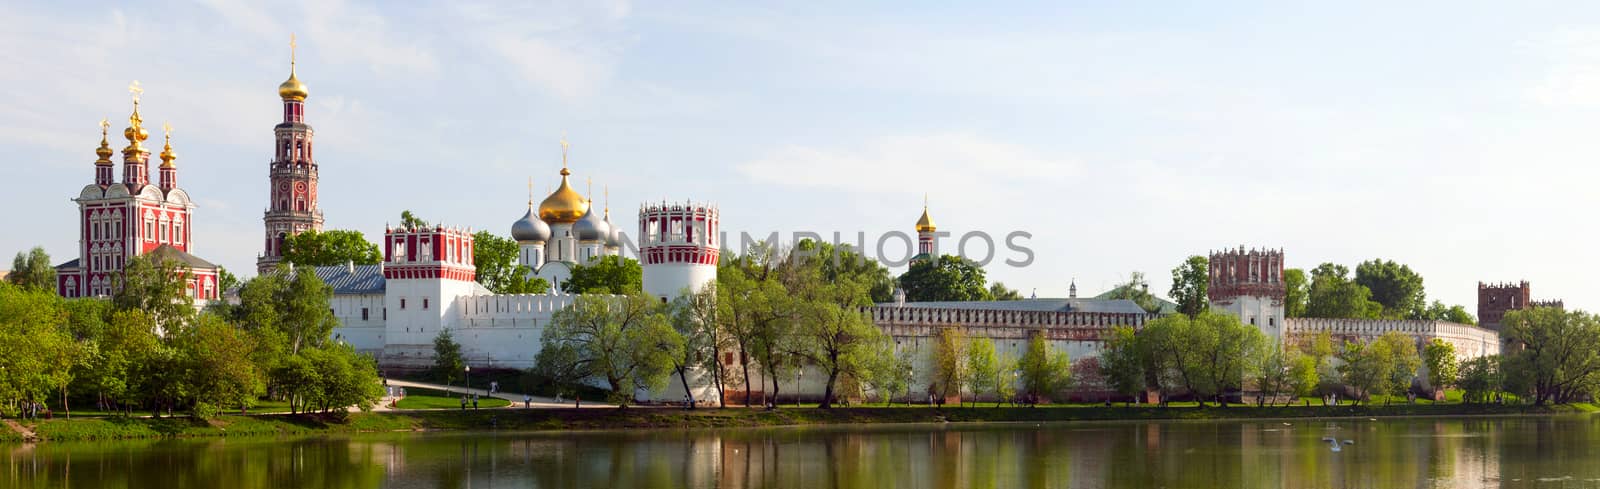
(527, 401)
(463, 402)
(474, 401)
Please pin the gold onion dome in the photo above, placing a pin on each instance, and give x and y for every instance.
(565, 205)
(292, 89)
(135, 132)
(925, 224)
(104, 151)
(167, 155)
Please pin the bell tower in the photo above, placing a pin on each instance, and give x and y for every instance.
(292, 194)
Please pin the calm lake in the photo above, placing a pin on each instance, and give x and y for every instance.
(1544, 452)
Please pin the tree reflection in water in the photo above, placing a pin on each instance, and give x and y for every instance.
(1388, 453)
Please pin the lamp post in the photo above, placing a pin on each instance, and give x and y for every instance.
(798, 371)
(467, 377)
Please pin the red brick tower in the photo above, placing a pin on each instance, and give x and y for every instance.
(292, 194)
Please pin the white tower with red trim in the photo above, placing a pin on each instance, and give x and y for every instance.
(678, 247)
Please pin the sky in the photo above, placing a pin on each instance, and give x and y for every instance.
(1455, 137)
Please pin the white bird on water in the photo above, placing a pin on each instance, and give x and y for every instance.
(1333, 443)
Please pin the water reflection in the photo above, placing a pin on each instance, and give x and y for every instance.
(1482, 452)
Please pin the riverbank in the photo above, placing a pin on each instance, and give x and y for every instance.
(665, 418)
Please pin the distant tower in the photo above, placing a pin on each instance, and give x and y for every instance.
(925, 235)
(1072, 290)
(1495, 300)
(678, 247)
(1249, 284)
(292, 194)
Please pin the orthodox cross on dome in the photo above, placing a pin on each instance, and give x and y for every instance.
(291, 53)
(564, 148)
(136, 90)
(167, 126)
(105, 128)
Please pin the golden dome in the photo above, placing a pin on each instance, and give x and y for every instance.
(292, 89)
(167, 155)
(104, 151)
(135, 133)
(565, 205)
(925, 224)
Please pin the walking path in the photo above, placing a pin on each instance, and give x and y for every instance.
(516, 399)
(27, 435)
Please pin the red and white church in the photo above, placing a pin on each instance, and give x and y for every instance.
(133, 217)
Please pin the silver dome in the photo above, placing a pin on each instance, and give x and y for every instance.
(613, 238)
(530, 228)
(590, 227)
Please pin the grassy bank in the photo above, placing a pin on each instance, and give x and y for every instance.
(635, 418)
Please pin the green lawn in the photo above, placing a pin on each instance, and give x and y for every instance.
(420, 398)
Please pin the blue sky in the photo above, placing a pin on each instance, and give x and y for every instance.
(1455, 137)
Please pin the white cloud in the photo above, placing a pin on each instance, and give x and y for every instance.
(568, 50)
(943, 162)
(1572, 74)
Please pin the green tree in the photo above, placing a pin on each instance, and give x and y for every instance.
(1480, 378)
(1296, 292)
(1560, 351)
(33, 270)
(837, 338)
(1303, 374)
(983, 367)
(1404, 362)
(216, 357)
(1207, 355)
(39, 354)
(949, 362)
(1043, 372)
(694, 315)
(950, 278)
(1136, 289)
(626, 341)
(1394, 286)
(1440, 358)
(314, 248)
(890, 374)
(496, 261)
(998, 291)
(448, 364)
(1366, 366)
(1189, 282)
(411, 221)
(226, 280)
(158, 287)
(1333, 295)
(608, 275)
(1456, 314)
(835, 263)
(123, 353)
(287, 310)
(1122, 362)
(1275, 372)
